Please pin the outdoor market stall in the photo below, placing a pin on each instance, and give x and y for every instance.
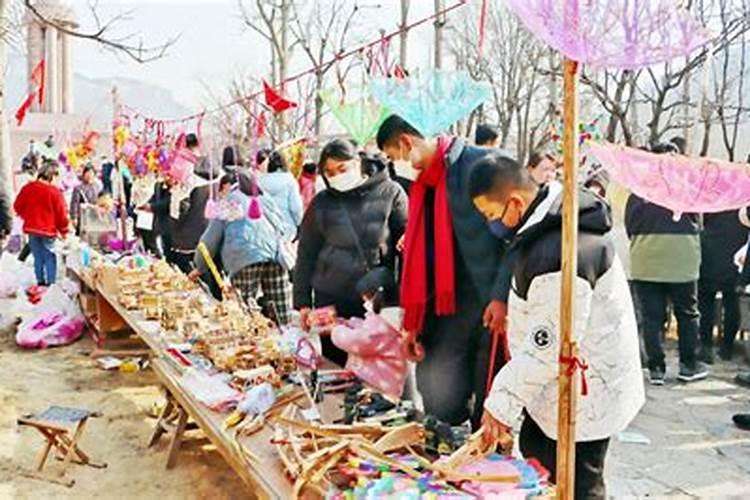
(282, 420)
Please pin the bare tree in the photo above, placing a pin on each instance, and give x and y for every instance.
(323, 32)
(615, 91)
(104, 34)
(518, 69)
(403, 45)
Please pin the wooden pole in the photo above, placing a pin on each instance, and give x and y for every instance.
(116, 113)
(566, 410)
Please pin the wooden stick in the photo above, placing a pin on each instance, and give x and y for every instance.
(566, 409)
(211, 264)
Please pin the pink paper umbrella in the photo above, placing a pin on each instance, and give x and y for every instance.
(679, 183)
(625, 34)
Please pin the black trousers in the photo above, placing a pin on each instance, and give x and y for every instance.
(652, 300)
(590, 456)
(452, 377)
(730, 302)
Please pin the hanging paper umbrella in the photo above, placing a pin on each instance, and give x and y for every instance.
(275, 100)
(626, 34)
(359, 116)
(431, 101)
(679, 183)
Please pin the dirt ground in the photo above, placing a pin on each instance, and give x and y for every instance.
(694, 450)
(32, 380)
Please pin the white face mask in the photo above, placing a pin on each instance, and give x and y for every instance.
(368, 306)
(405, 169)
(346, 181)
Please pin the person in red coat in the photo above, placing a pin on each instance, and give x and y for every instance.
(42, 207)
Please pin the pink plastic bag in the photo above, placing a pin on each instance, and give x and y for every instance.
(374, 348)
(50, 329)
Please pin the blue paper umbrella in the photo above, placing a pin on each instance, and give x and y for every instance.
(431, 101)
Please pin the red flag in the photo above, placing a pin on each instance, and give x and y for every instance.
(25, 106)
(37, 77)
(275, 101)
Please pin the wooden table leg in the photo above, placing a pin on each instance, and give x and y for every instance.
(161, 421)
(176, 438)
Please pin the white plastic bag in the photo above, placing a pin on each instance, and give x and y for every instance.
(56, 320)
(14, 275)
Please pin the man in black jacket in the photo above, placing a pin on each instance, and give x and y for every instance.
(455, 339)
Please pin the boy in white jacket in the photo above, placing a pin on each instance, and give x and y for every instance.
(605, 326)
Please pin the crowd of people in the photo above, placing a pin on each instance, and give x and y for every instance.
(447, 243)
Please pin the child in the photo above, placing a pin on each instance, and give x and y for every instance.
(374, 344)
(611, 381)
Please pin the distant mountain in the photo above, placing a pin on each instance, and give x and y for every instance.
(93, 96)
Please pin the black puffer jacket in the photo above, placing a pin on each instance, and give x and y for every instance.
(722, 236)
(6, 219)
(328, 260)
(186, 231)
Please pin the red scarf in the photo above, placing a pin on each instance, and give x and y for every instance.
(414, 279)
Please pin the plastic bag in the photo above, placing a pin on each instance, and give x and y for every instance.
(14, 275)
(56, 320)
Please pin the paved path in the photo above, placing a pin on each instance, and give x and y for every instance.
(695, 450)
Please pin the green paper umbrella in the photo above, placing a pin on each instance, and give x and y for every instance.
(356, 112)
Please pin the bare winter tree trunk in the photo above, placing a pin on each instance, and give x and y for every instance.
(404, 35)
(6, 170)
(439, 25)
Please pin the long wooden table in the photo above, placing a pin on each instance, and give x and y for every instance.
(264, 476)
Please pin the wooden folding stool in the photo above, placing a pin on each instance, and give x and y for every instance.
(55, 424)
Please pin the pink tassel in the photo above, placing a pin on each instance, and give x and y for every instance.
(255, 210)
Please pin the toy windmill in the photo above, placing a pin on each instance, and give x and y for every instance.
(624, 34)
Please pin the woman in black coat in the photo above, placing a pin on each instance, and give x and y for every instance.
(722, 236)
(349, 228)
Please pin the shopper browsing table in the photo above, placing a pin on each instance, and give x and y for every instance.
(611, 379)
(349, 229)
(451, 287)
(42, 207)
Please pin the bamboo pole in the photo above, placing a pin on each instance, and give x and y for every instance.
(566, 409)
(116, 113)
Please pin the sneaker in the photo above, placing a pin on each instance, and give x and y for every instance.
(742, 421)
(656, 376)
(688, 374)
(742, 379)
(706, 354)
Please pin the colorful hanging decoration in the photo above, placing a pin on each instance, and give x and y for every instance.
(431, 101)
(587, 132)
(275, 100)
(294, 153)
(359, 115)
(679, 183)
(622, 34)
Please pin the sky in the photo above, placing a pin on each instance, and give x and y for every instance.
(213, 47)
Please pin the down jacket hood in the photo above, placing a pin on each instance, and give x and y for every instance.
(545, 214)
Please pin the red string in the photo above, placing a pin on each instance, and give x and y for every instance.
(482, 22)
(575, 363)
